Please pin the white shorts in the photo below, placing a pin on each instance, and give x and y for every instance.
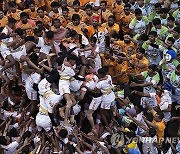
(32, 94)
(75, 85)
(21, 51)
(95, 103)
(43, 122)
(64, 87)
(107, 100)
(5, 51)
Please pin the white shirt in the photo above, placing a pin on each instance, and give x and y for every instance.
(66, 72)
(44, 47)
(11, 148)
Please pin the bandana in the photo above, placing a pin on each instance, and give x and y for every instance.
(96, 18)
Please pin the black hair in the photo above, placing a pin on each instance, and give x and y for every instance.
(76, 2)
(75, 17)
(54, 4)
(93, 39)
(127, 5)
(103, 70)
(12, 4)
(178, 67)
(39, 22)
(12, 20)
(33, 57)
(13, 132)
(29, 38)
(19, 31)
(55, 20)
(88, 6)
(121, 55)
(157, 5)
(153, 67)
(164, 10)
(73, 33)
(23, 14)
(31, 2)
(153, 33)
(40, 8)
(138, 11)
(171, 18)
(161, 114)
(3, 140)
(177, 29)
(141, 50)
(25, 150)
(156, 21)
(27, 134)
(171, 39)
(104, 2)
(49, 34)
(143, 37)
(152, 132)
(112, 16)
(65, 9)
(132, 126)
(63, 133)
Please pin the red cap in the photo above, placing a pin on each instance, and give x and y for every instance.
(96, 18)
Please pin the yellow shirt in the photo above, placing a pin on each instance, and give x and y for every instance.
(144, 60)
(119, 68)
(115, 27)
(117, 10)
(104, 15)
(126, 46)
(161, 127)
(76, 28)
(15, 15)
(88, 19)
(3, 22)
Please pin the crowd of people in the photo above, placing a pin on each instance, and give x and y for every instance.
(90, 76)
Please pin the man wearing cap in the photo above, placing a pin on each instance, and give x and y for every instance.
(97, 31)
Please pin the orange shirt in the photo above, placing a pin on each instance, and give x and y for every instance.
(161, 127)
(110, 63)
(88, 19)
(64, 21)
(3, 22)
(15, 15)
(126, 19)
(126, 46)
(76, 28)
(46, 20)
(104, 15)
(28, 27)
(39, 3)
(119, 68)
(91, 30)
(80, 12)
(144, 60)
(117, 10)
(115, 27)
(32, 15)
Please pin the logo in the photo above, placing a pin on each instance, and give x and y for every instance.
(117, 140)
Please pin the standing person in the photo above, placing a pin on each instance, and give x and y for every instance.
(97, 31)
(151, 80)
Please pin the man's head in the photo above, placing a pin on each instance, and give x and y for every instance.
(103, 5)
(65, 12)
(49, 35)
(111, 20)
(178, 70)
(120, 58)
(152, 69)
(72, 59)
(75, 19)
(56, 23)
(127, 7)
(152, 36)
(170, 42)
(176, 31)
(159, 90)
(32, 6)
(152, 132)
(118, 2)
(4, 140)
(127, 38)
(95, 21)
(157, 7)
(159, 116)
(140, 53)
(76, 5)
(40, 12)
(170, 21)
(63, 133)
(55, 6)
(140, 3)
(24, 17)
(102, 72)
(12, 6)
(88, 9)
(93, 41)
(138, 14)
(11, 22)
(157, 23)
